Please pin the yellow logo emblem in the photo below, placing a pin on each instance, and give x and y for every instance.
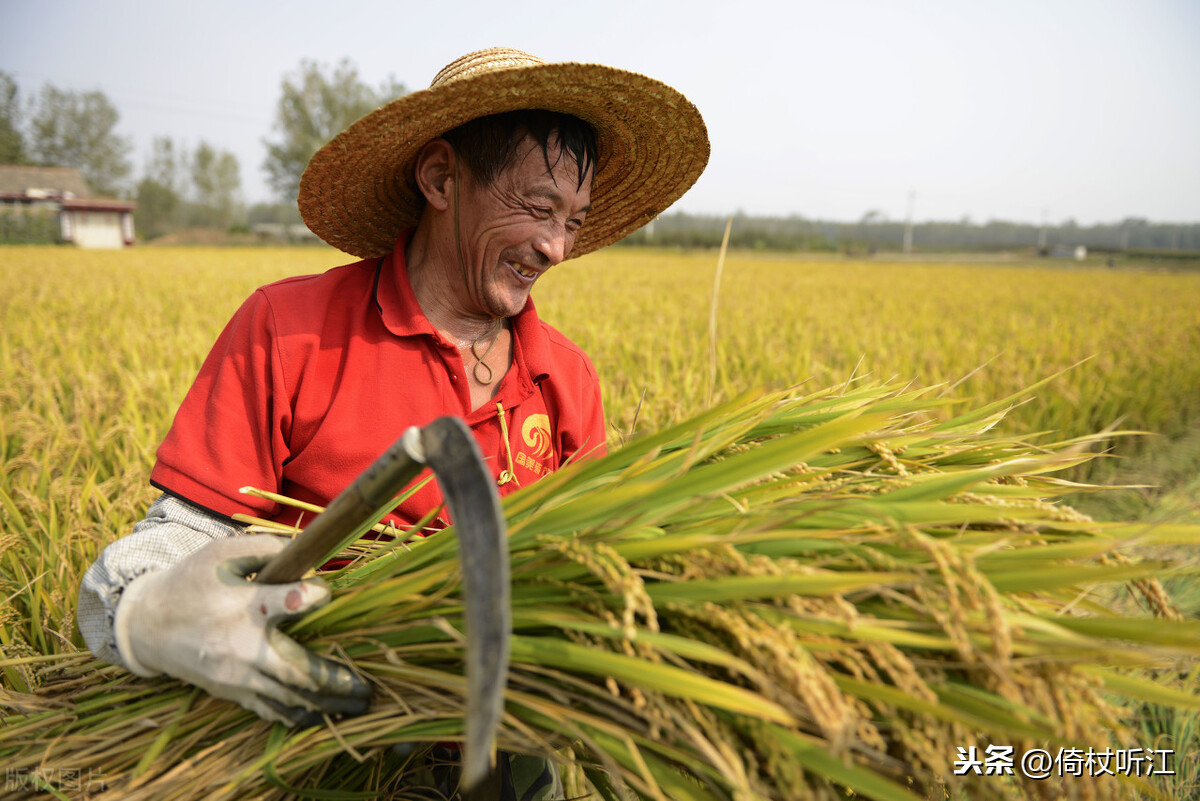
(536, 433)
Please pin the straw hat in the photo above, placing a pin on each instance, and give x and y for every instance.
(358, 192)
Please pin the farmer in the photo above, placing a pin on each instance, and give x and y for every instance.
(457, 199)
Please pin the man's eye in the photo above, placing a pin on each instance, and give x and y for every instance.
(573, 225)
(542, 211)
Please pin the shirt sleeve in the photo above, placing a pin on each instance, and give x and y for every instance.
(233, 427)
(171, 531)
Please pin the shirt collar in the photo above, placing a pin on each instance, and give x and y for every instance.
(402, 315)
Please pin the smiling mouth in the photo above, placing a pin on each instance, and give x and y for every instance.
(523, 271)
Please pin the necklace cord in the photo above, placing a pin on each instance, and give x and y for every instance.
(462, 266)
(479, 358)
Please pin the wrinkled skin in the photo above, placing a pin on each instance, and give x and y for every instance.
(508, 233)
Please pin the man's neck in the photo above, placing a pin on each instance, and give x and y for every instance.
(432, 271)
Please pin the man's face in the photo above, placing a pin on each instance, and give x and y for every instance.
(522, 225)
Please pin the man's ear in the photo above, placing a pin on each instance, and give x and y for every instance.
(435, 173)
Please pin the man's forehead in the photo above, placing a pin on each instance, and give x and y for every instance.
(554, 152)
(530, 162)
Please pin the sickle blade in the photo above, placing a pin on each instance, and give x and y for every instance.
(470, 492)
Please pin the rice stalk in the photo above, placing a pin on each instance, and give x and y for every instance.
(783, 597)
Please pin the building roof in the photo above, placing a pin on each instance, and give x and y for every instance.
(52, 181)
(97, 204)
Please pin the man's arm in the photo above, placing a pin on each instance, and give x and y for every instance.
(174, 598)
(172, 530)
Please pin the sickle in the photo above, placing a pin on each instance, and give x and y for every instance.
(447, 446)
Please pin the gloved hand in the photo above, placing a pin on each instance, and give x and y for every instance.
(203, 622)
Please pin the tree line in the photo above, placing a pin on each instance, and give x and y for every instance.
(182, 187)
(873, 233)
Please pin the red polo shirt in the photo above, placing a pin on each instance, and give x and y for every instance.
(315, 376)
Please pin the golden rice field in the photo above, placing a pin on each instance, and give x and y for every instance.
(644, 317)
(139, 322)
(921, 627)
(97, 348)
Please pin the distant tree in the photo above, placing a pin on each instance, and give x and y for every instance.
(865, 230)
(277, 213)
(77, 129)
(216, 180)
(160, 192)
(1134, 232)
(315, 105)
(12, 144)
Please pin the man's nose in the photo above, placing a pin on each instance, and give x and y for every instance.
(554, 243)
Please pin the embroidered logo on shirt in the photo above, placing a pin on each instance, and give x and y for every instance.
(536, 433)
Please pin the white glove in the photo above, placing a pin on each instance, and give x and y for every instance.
(203, 622)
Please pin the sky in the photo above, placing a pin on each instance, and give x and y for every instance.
(1021, 110)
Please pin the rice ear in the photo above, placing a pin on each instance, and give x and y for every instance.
(770, 601)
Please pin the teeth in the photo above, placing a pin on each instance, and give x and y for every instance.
(522, 271)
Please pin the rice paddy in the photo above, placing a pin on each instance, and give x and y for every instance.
(949, 603)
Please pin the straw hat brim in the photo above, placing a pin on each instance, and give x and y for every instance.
(358, 192)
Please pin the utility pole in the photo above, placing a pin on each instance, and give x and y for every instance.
(912, 197)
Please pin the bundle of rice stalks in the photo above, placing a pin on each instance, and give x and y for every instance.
(785, 597)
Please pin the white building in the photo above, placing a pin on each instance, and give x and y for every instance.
(55, 203)
(1076, 252)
